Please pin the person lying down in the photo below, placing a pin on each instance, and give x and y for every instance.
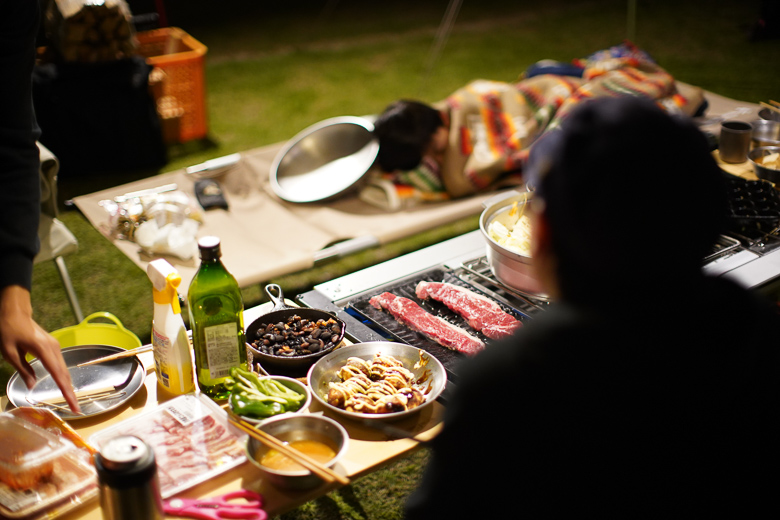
(479, 137)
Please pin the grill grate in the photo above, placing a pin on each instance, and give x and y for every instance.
(399, 332)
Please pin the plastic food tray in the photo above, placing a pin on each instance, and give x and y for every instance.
(50, 468)
(191, 438)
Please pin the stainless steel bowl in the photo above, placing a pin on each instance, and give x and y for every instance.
(766, 133)
(764, 172)
(766, 113)
(510, 268)
(296, 428)
(325, 160)
(427, 370)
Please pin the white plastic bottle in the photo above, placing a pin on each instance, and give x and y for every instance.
(172, 352)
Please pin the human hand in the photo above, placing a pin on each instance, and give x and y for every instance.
(21, 335)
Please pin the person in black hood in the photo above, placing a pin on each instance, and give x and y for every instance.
(646, 388)
(20, 200)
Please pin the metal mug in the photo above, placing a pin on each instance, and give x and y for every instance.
(127, 477)
(734, 141)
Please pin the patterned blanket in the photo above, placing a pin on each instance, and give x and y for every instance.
(493, 124)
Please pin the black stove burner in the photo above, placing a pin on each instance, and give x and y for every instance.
(754, 207)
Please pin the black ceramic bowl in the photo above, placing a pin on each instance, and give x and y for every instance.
(293, 364)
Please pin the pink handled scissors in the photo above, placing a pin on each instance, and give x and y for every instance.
(220, 507)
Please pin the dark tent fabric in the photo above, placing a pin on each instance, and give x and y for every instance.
(98, 117)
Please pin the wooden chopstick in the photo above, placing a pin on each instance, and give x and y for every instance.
(90, 395)
(325, 473)
(118, 355)
(770, 107)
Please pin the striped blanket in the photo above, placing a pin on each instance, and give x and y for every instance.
(494, 124)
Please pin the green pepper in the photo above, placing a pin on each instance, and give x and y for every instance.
(245, 405)
(254, 397)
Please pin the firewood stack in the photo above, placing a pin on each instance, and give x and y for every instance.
(90, 31)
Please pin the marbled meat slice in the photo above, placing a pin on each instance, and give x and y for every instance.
(408, 313)
(480, 313)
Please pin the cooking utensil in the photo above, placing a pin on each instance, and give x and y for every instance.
(771, 115)
(237, 504)
(510, 268)
(325, 160)
(125, 375)
(294, 428)
(764, 171)
(280, 313)
(120, 355)
(766, 133)
(428, 372)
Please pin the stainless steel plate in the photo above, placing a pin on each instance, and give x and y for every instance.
(325, 160)
(426, 369)
(126, 376)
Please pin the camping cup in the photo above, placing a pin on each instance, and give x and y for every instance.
(734, 142)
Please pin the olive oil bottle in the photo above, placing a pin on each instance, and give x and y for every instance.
(216, 312)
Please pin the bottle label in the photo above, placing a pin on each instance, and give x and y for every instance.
(162, 363)
(222, 349)
(174, 368)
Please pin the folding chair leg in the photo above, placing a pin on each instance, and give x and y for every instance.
(74, 302)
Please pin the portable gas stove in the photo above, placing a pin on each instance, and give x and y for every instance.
(751, 262)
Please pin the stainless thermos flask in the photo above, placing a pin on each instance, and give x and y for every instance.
(127, 476)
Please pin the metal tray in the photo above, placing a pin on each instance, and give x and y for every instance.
(426, 368)
(125, 375)
(398, 332)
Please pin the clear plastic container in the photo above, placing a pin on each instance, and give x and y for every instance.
(39, 469)
(27, 453)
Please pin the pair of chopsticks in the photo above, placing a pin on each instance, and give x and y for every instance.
(96, 394)
(325, 473)
(118, 355)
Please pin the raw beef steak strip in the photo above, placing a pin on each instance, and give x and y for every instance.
(410, 314)
(481, 313)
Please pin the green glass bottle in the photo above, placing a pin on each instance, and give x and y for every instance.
(216, 312)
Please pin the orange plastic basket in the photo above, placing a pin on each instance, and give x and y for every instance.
(182, 58)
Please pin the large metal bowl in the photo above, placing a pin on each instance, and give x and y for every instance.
(510, 268)
(765, 133)
(762, 171)
(289, 382)
(427, 370)
(768, 113)
(324, 161)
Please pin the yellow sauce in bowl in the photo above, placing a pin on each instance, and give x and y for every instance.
(317, 450)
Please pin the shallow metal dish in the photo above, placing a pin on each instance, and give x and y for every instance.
(126, 375)
(324, 161)
(428, 371)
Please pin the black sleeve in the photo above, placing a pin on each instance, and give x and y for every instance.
(19, 159)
